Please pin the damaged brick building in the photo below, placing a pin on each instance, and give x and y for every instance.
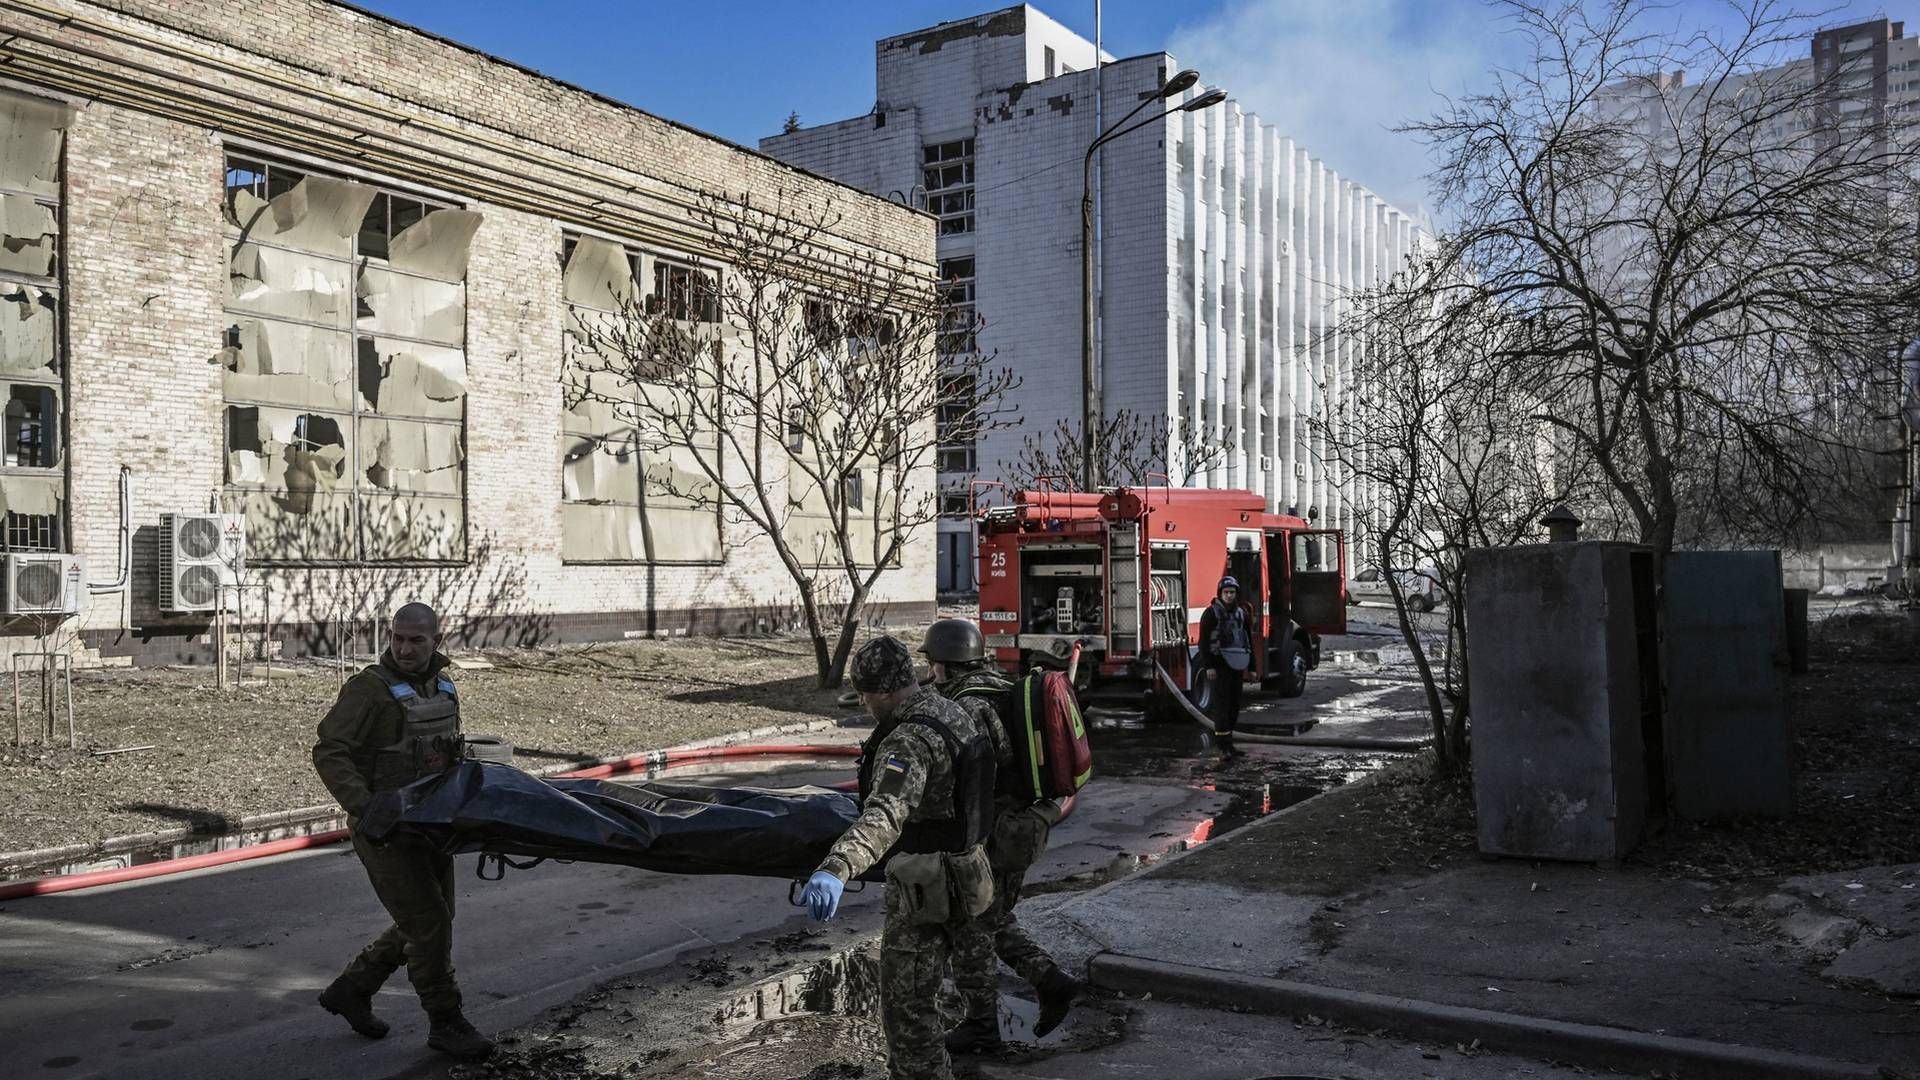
(301, 264)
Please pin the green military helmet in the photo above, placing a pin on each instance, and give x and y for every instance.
(954, 641)
(882, 666)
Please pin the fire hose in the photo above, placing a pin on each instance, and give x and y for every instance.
(59, 883)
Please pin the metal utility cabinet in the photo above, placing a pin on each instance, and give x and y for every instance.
(1565, 652)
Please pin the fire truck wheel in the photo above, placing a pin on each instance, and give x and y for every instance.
(1291, 672)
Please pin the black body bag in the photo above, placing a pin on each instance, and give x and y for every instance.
(502, 811)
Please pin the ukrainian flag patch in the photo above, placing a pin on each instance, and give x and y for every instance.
(895, 763)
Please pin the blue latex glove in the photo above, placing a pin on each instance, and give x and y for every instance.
(821, 897)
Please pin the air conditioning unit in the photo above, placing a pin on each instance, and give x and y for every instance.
(200, 554)
(45, 584)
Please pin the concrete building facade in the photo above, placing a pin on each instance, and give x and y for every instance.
(301, 263)
(1225, 249)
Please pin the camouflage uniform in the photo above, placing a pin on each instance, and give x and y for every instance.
(413, 880)
(1019, 836)
(913, 777)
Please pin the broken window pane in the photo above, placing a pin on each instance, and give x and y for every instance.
(598, 274)
(286, 284)
(684, 293)
(310, 258)
(31, 133)
(29, 235)
(29, 331)
(626, 496)
(413, 527)
(436, 246)
(313, 214)
(402, 306)
(599, 470)
(32, 439)
(307, 526)
(286, 450)
(405, 378)
(283, 363)
(601, 533)
(411, 456)
(374, 230)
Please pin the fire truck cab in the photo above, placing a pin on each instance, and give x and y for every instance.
(1128, 572)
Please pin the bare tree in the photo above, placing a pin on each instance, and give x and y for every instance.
(1441, 434)
(795, 397)
(1130, 449)
(1703, 258)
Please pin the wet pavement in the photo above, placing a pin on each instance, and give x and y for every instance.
(593, 969)
(211, 973)
(803, 1005)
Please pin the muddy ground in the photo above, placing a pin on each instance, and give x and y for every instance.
(219, 756)
(1855, 727)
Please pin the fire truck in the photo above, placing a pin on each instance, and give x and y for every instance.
(1126, 574)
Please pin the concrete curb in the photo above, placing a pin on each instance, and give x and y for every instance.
(1581, 1044)
(308, 815)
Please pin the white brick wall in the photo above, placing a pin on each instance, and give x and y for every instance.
(146, 283)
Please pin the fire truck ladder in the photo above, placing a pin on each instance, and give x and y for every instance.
(1123, 589)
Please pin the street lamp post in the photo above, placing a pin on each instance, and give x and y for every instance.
(1089, 402)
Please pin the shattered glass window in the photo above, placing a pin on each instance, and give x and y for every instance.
(628, 494)
(33, 480)
(345, 366)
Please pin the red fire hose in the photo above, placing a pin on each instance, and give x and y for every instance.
(59, 883)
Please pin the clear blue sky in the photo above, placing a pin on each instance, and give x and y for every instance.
(1335, 74)
(736, 68)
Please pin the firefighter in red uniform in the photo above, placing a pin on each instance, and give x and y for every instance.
(1226, 650)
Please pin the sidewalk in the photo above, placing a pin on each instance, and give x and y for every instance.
(1353, 891)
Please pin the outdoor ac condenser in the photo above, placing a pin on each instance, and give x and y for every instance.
(199, 555)
(45, 584)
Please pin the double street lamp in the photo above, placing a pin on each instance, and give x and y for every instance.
(1181, 82)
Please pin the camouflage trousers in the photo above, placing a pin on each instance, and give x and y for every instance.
(914, 959)
(1018, 840)
(415, 884)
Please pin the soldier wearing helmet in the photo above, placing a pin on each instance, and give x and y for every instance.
(961, 672)
(926, 809)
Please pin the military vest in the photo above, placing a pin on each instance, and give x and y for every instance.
(429, 731)
(970, 820)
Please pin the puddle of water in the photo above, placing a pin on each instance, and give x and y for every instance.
(820, 1019)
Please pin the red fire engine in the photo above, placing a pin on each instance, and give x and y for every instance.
(1127, 573)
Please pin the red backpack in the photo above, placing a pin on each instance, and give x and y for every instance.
(1051, 756)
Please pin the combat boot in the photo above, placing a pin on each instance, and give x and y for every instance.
(354, 1007)
(976, 1035)
(454, 1037)
(1057, 992)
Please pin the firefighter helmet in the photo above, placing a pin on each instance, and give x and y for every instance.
(954, 641)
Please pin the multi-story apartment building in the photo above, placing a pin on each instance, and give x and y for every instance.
(314, 268)
(1225, 248)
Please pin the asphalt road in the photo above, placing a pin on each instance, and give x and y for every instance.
(213, 974)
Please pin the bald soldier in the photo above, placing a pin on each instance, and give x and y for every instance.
(396, 722)
(926, 808)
